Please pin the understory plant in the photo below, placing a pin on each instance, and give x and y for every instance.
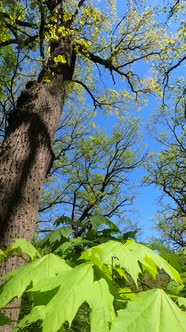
(102, 281)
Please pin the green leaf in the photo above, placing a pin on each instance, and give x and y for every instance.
(73, 292)
(63, 249)
(101, 304)
(62, 220)
(56, 236)
(4, 320)
(167, 254)
(75, 286)
(66, 249)
(174, 288)
(130, 234)
(108, 232)
(36, 314)
(99, 220)
(19, 280)
(150, 311)
(128, 257)
(22, 246)
(180, 300)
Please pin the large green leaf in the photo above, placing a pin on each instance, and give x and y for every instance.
(39, 269)
(74, 289)
(128, 256)
(22, 246)
(151, 311)
(101, 304)
(73, 292)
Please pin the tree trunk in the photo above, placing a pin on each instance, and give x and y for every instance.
(26, 153)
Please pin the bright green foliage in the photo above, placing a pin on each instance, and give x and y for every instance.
(55, 238)
(95, 230)
(128, 256)
(98, 220)
(19, 280)
(174, 288)
(100, 301)
(21, 246)
(150, 311)
(57, 291)
(75, 285)
(181, 301)
(167, 254)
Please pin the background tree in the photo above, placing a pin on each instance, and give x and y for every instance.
(166, 169)
(91, 172)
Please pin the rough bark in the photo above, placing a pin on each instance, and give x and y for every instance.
(26, 153)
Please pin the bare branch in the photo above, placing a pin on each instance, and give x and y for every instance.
(96, 102)
(166, 78)
(173, 8)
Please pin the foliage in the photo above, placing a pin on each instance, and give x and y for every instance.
(98, 290)
(156, 308)
(94, 230)
(166, 169)
(92, 170)
(103, 40)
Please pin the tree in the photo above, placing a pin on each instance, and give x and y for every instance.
(166, 169)
(61, 41)
(91, 171)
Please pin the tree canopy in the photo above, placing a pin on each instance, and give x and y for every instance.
(166, 169)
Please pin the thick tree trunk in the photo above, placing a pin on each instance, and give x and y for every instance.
(26, 154)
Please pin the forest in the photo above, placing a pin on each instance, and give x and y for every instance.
(92, 111)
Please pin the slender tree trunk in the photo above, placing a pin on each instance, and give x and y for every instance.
(26, 154)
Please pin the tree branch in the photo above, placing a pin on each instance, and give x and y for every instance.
(19, 22)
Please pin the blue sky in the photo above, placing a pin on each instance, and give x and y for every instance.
(148, 197)
(146, 203)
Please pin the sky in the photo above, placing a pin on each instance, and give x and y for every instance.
(147, 197)
(146, 201)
